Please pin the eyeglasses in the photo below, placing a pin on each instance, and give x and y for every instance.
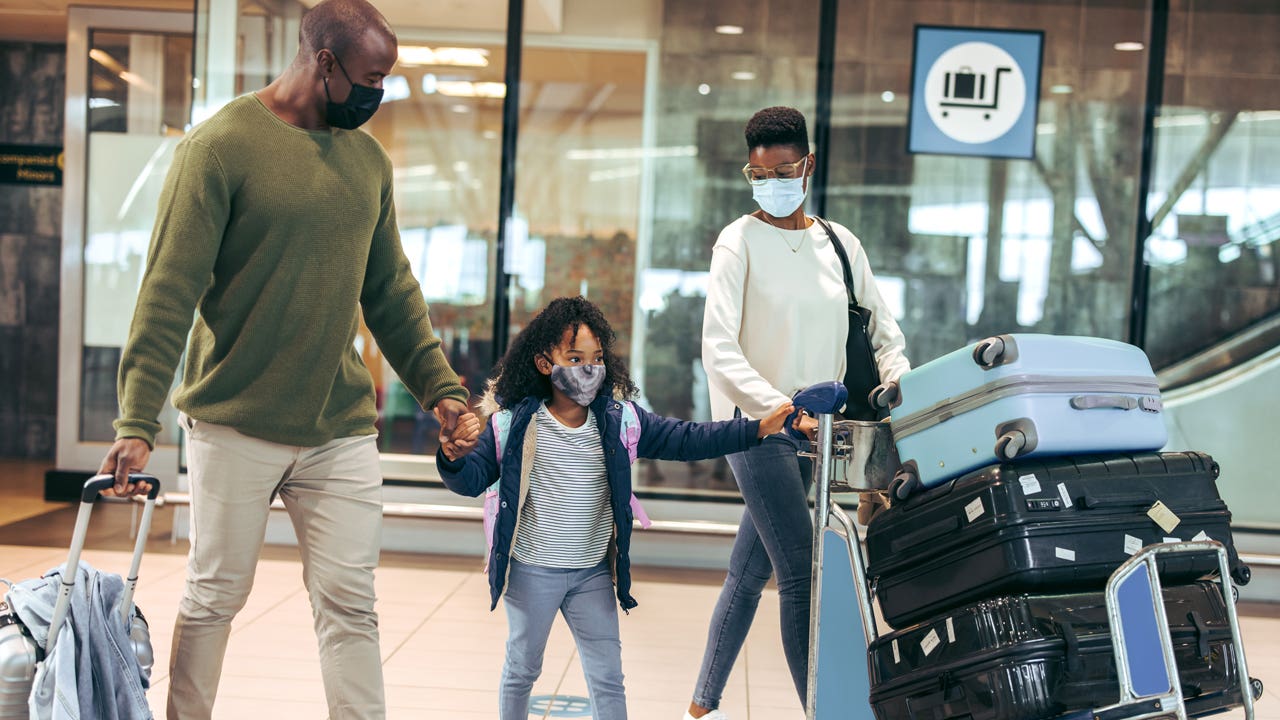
(756, 175)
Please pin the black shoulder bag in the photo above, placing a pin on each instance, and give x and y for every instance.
(861, 374)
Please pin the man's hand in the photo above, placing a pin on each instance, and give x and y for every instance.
(126, 456)
(447, 411)
(774, 421)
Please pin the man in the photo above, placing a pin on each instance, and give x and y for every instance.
(277, 228)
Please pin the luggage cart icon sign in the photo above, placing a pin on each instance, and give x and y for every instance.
(966, 89)
(975, 92)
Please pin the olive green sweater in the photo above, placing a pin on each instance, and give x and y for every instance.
(276, 238)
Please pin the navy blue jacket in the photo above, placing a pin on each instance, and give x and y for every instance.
(661, 438)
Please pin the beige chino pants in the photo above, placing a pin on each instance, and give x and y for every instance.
(334, 497)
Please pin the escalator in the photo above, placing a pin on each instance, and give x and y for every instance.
(1225, 400)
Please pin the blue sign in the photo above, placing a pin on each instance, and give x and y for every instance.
(975, 91)
(560, 706)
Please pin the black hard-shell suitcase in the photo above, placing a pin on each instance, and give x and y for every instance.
(1028, 657)
(1047, 525)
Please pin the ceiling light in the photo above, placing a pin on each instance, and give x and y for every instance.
(887, 96)
(704, 89)
(729, 29)
(412, 55)
(490, 134)
(469, 89)
(1129, 46)
(1060, 89)
(395, 87)
(429, 84)
(744, 75)
(460, 108)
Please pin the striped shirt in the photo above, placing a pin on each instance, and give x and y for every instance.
(565, 521)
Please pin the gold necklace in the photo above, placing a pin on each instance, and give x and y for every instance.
(785, 241)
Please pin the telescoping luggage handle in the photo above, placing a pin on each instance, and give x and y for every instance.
(92, 488)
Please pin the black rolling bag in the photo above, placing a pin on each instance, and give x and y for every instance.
(1047, 525)
(1030, 657)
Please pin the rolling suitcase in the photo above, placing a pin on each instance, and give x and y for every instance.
(19, 652)
(1020, 396)
(1030, 657)
(1053, 524)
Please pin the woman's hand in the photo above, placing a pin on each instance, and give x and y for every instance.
(806, 424)
(774, 421)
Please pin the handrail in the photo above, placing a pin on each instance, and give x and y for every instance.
(1252, 342)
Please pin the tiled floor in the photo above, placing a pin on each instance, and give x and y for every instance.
(442, 648)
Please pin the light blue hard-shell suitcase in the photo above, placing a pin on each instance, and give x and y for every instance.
(1023, 395)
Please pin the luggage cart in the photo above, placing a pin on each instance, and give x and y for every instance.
(855, 456)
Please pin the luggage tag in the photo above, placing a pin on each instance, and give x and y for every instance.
(1164, 517)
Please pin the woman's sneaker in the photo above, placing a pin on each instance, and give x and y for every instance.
(713, 715)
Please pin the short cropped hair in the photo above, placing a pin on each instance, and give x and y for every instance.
(340, 24)
(777, 126)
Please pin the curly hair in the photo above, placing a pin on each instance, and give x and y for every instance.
(777, 126)
(517, 375)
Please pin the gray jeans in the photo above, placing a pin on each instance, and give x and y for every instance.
(586, 598)
(776, 535)
(334, 496)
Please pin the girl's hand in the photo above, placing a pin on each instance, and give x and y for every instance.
(773, 423)
(806, 424)
(464, 437)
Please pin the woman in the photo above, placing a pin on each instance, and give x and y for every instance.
(776, 321)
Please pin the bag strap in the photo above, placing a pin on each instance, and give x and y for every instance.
(844, 259)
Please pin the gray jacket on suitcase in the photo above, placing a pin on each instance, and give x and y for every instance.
(93, 671)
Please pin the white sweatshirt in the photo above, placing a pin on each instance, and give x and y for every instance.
(776, 320)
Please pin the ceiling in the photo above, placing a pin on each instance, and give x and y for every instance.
(46, 20)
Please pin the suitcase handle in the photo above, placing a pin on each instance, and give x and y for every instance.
(93, 487)
(1095, 402)
(1092, 501)
(925, 534)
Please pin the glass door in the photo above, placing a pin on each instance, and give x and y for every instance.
(128, 104)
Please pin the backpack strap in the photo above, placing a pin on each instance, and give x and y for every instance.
(631, 440)
(501, 423)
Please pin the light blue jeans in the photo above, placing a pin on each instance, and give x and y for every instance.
(586, 599)
(775, 536)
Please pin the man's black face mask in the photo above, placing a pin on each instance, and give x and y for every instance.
(361, 103)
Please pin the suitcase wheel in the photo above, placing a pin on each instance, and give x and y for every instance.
(1010, 444)
(903, 484)
(988, 352)
(1241, 574)
(1255, 687)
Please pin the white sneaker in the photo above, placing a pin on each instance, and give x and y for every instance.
(713, 715)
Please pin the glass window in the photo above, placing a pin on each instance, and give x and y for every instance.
(973, 246)
(1215, 191)
(441, 123)
(630, 163)
(139, 96)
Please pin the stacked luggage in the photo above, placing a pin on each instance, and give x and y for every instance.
(1030, 474)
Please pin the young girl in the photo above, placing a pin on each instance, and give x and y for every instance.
(568, 436)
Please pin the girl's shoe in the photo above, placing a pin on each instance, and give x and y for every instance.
(713, 715)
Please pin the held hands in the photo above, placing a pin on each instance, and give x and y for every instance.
(126, 455)
(459, 428)
(774, 421)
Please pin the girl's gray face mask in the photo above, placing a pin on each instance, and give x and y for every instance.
(581, 383)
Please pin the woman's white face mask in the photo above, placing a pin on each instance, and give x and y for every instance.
(780, 198)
